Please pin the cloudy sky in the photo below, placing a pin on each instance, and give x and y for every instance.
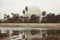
(16, 6)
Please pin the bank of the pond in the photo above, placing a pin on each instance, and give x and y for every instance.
(33, 25)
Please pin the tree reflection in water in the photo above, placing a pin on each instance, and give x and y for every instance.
(31, 34)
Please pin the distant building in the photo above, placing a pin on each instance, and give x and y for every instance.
(34, 10)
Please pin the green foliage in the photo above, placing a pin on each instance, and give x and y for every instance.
(34, 19)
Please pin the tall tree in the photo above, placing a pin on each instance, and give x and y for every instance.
(5, 16)
(43, 18)
(8, 17)
(12, 13)
(23, 12)
(44, 13)
(26, 8)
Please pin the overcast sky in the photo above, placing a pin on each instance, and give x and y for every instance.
(16, 6)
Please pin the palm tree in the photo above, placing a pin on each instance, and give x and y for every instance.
(12, 13)
(44, 13)
(8, 17)
(26, 8)
(5, 16)
(43, 18)
(23, 12)
(17, 14)
(12, 19)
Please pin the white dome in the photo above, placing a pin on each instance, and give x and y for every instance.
(34, 10)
